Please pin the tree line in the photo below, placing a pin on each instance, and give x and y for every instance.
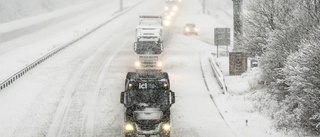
(285, 36)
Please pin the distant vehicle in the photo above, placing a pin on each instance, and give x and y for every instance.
(168, 17)
(148, 46)
(190, 29)
(171, 6)
(147, 99)
(173, 0)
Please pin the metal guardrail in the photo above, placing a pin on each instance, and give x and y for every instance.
(218, 74)
(8, 81)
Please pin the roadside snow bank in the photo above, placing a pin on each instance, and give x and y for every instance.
(237, 105)
(17, 9)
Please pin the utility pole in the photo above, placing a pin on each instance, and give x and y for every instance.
(204, 6)
(237, 25)
(121, 5)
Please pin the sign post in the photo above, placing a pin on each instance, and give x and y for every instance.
(203, 6)
(121, 5)
(237, 25)
(221, 37)
(217, 51)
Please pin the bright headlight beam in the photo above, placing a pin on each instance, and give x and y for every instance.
(175, 8)
(159, 64)
(167, 23)
(129, 127)
(137, 64)
(166, 127)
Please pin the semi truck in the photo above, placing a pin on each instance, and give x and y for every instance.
(147, 99)
(148, 46)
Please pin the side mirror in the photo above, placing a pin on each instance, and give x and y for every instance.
(135, 46)
(173, 98)
(122, 98)
(161, 46)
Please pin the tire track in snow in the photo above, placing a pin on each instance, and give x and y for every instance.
(208, 89)
(88, 123)
(204, 77)
(56, 128)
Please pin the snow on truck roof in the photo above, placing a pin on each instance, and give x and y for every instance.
(151, 16)
(149, 27)
(150, 20)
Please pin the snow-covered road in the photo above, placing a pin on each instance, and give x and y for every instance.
(34, 37)
(77, 92)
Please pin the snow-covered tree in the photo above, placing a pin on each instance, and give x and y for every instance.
(262, 19)
(302, 71)
(285, 35)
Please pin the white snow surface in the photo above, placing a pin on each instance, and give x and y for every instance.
(237, 105)
(77, 91)
(11, 10)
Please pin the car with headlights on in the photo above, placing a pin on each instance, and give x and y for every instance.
(190, 29)
(171, 6)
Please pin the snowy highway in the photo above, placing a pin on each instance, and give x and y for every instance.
(77, 91)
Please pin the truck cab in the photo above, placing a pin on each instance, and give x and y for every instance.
(148, 53)
(147, 100)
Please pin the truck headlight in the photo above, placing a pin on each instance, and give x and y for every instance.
(167, 23)
(196, 29)
(166, 127)
(129, 127)
(137, 64)
(172, 13)
(159, 64)
(166, 8)
(187, 29)
(175, 8)
(130, 85)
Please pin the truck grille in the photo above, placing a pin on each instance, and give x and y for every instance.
(147, 127)
(148, 61)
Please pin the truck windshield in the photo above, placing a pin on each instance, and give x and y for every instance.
(148, 47)
(156, 97)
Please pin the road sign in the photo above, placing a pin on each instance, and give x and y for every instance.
(237, 63)
(221, 36)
